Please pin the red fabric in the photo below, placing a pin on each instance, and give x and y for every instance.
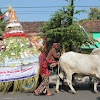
(19, 34)
(49, 61)
(2, 16)
(56, 63)
(43, 64)
(55, 44)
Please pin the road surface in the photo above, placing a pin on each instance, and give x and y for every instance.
(83, 93)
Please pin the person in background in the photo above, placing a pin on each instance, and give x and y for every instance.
(44, 72)
(52, 55)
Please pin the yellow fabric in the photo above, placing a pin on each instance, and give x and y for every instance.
(12, 15)
(43, 48)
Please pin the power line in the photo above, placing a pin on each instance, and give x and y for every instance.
(36, 7)
(33, 13)
(49, 7)
(36, 1)
(87, 6)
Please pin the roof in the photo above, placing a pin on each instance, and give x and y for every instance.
(92, 26)
(31, 34)
(32, 27)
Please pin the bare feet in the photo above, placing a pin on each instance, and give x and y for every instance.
(36, 92)
(49, 93)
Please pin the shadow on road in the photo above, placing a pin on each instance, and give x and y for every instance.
(77, 88)
(98, 98)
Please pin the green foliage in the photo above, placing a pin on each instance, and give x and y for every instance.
(94, 14)
(14, 46)
(57, 29)
(2, 25)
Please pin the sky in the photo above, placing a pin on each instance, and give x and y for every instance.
(42, 10)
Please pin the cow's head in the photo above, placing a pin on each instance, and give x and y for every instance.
(95, 51)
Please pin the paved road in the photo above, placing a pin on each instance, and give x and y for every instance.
(83, 93)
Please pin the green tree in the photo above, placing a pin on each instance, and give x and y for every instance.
(94, 14)
(57, 29)
(2, 25)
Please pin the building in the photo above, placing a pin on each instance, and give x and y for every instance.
(32, 28)
(93, 27)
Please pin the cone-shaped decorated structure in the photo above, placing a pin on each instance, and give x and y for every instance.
(16, 50)
(13, 28)
(12, 14)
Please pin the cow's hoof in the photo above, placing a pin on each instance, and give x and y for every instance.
(97, 92)
(57, 91)
(74, 92)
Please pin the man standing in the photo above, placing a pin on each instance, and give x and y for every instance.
(52, 55)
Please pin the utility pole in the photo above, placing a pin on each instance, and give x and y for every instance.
(70, 5)
(70, 18)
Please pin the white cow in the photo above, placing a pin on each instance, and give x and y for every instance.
(85, 64)
(96, 51)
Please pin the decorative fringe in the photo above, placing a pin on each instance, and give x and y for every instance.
(5, 86)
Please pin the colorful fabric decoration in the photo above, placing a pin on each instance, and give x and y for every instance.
(15, 35)
(15, 48)
(6, 14)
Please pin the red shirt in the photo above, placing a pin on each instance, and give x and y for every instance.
(43, 64)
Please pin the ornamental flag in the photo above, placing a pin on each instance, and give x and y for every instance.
(6, 14)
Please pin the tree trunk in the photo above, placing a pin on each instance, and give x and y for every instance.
(70, 47)
(63, 51)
